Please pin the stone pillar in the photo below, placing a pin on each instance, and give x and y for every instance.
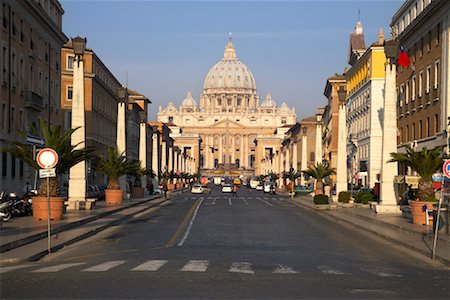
(318, 148)
(143, 149)
(341, 168)
(282, 165)
(287, 166)
(241, 152)
(388, 201)
(77, 181)
(121, 140)
(206, 151)
(155, 152)
(164, 156)
(294, 156)
(170, 165)
(233, 149)
(177, 161)
(220, 149)
(304, 164)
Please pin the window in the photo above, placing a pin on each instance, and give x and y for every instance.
(436, 123)
(438, 34)
(436, 74)
(40, 83)
(5, 63)
(420, 83)
(13, 68)
(31, 39)
(407, 133)
(420, 129)
(21, 73)
(429, 41)
(402, 94)
(170, 119)
(22, 37)
(13, 117)
(13, 28)
(421, 47)
(428, 79)
(30, 79)
(70, 93)
(5, 19)
(414, 130)
(413, 88)
(408, 87)
(188, 121)
(3, 116)
(283, 120)
(70, 60)
(428, 127)
(20, 168)
(21, 120)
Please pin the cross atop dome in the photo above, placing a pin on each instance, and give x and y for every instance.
(230, 52)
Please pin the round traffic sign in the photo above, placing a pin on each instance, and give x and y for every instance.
(446, 168)
(47, 158)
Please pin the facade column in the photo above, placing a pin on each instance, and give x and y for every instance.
(294, 156)
(155, 152)
(282, 165)
(164, 156)
(77, 179)
(341, 170)
(143, 148)
(242, 151)
(207, 152)
(220, 149)
(304, 164)
(287, 166)
(178, 161)
(233, 148)
(318, 148)
(388, 201)
(246, 151)
(170, 166)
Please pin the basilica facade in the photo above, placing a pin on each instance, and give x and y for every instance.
(229, 131)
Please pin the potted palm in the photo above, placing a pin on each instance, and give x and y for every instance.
(137, 190)
(320, 171)
(425, 163)
(114, 166)
(69, 156)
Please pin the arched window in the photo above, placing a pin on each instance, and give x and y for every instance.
(312, 156)
(216, 163)
(237, 163)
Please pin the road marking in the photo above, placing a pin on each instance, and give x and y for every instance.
(105, 266)
(245, 200)
(229, 200)
(328, 270)
(150, 265)
(270, 204)
(241, 267)
(282, 269)
(56, 268)
(13, 268)
(190, 224)
(196, 266)
(274, 199)
(381, 274)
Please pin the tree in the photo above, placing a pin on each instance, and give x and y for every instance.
(137, 172)
(425, 163)
(59, 141)
(320, 171)
(291, 175)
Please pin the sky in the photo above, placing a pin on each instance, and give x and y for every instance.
(163, 49)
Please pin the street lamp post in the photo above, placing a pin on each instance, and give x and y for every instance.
(77, 174)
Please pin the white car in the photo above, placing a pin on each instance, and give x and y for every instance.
(200, 189)
(227, 188)
(259, 187)
(269, 187)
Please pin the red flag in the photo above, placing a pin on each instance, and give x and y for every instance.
(403, 59)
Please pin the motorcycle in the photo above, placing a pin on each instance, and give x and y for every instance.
(5, 203)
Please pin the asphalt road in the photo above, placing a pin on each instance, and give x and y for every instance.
(215, 246)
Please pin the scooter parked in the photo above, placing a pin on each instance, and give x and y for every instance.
(5, 204)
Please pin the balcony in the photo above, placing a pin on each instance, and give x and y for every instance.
(34, 101)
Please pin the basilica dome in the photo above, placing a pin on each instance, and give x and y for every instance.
(189, 101)
(229, 74)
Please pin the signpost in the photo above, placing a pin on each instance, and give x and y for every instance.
(446, 171)
(35, 141)
(47, 158)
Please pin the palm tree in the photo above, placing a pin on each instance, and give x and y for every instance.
(291, 175)
(137, 172)
(320, 171)
(114, 166)
(59, 141)
(425, 163)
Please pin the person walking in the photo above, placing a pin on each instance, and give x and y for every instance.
(235, 189)
(165, 189)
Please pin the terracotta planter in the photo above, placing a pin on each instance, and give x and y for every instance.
(318, 192)
(171, 186)
(113, 197)
(137, 192)
(419, 216)
(40, 208)
(179, 185)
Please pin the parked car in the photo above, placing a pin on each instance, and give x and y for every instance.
(227, 188)
(259, 187)
(200, 189)
(269, 187)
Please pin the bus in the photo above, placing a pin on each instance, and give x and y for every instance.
(254, 181)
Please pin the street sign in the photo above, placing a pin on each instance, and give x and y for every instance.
(446, 168)
(47, 173)
(47, 158)
(35, 140)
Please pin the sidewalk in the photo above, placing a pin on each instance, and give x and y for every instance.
(393, 228)
(24, 239)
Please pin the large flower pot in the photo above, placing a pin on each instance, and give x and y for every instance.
(318, 192)
(40, 208)
(179, 185)
(137, 192)
(418, 215)
(171, 186)
(113, 197)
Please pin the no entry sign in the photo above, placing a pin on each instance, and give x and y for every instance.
(446, 169)
(47, 158)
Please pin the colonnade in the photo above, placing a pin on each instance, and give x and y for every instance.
(226, 145)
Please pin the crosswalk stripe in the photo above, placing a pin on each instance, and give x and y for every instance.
(241, 267)
(381, 273)
(56, 268)
(196, 266)
(264, 200)
(282, 269)
(328, 270)
(13, 268)
(105, 266)
(150, 265)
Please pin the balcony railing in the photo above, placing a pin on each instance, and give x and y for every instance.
(34, 101)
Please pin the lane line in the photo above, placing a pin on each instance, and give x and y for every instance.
(245, 200)
(328, 270)
(13, 268)
(190, 224)
(270, 204)
(282, 269)
(56, 268)
(196, 266)
(241, 267)
(229, 200)
(381, 273)
(150, 265)
(105, 266)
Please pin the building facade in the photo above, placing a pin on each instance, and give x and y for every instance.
(30, 80)
(422, 28)
(228, 121)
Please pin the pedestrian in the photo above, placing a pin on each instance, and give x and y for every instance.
(235, 189)
(165, 189)
(150, 187)
(27, 188)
